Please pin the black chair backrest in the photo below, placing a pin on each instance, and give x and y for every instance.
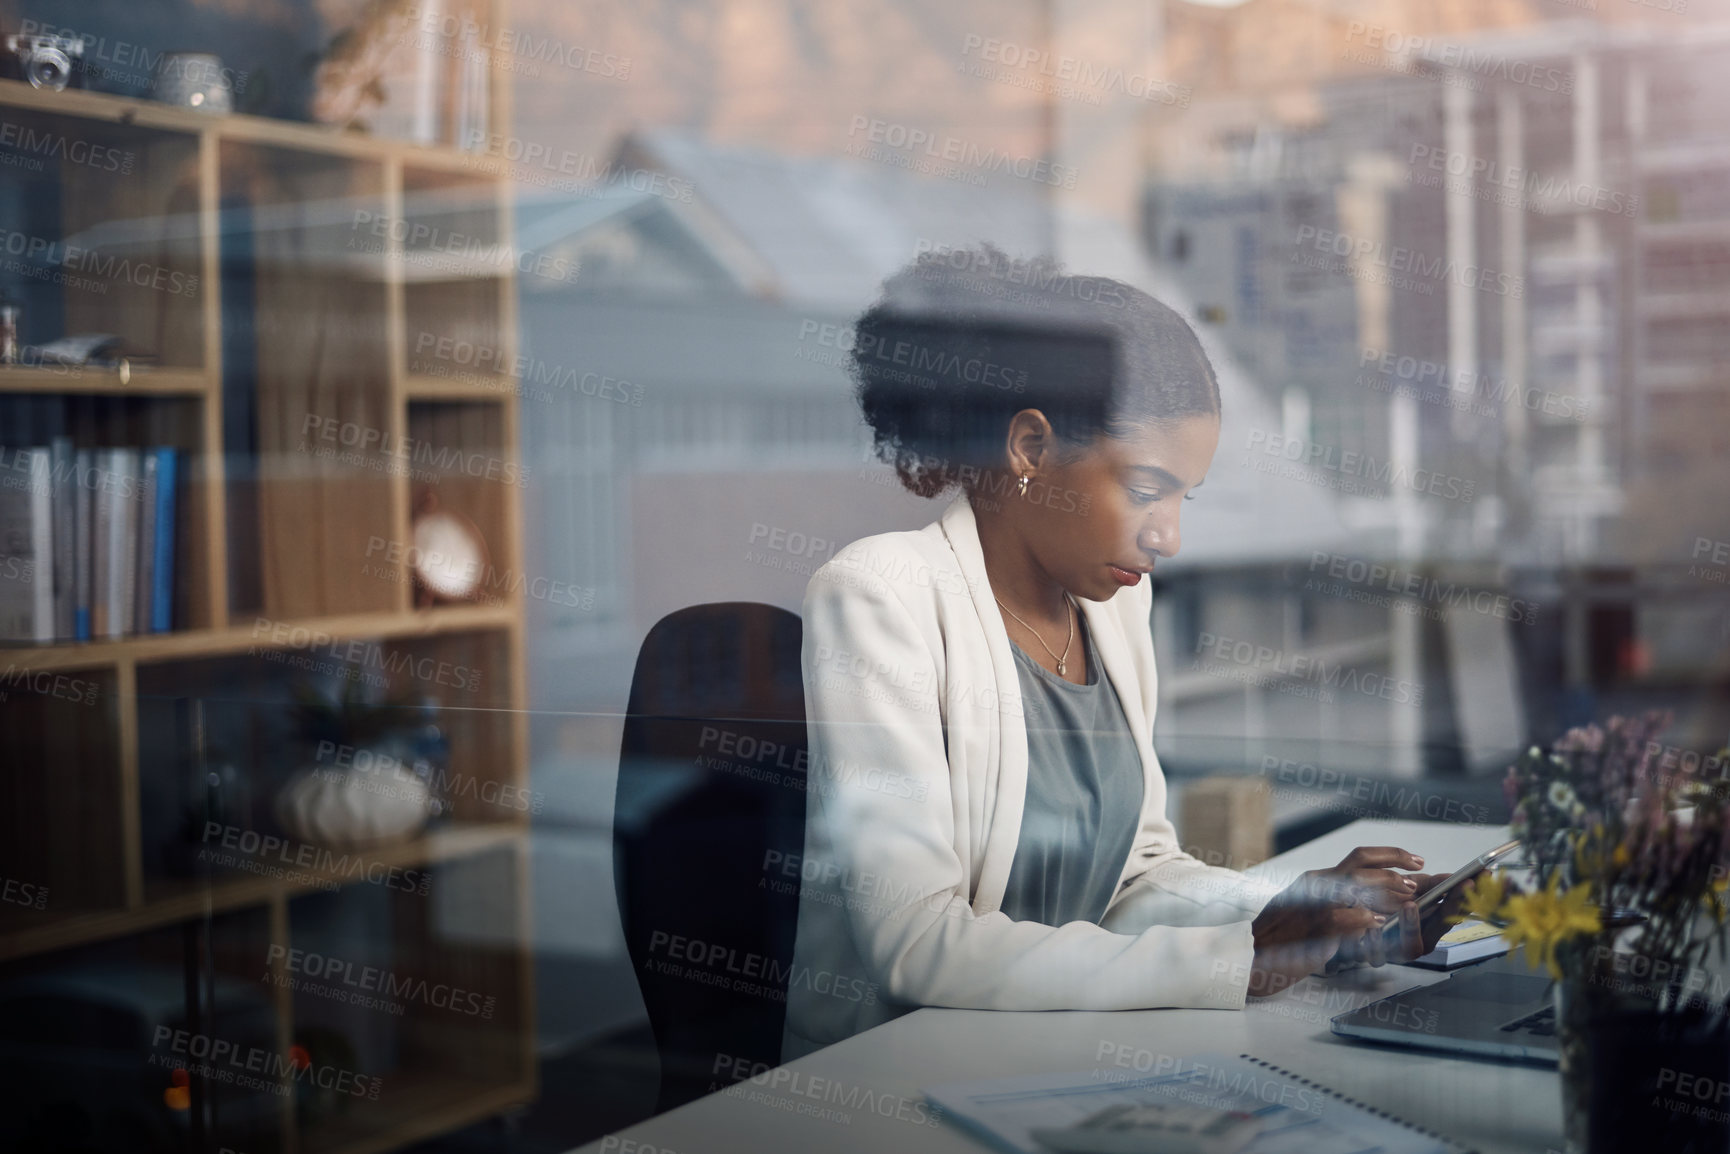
(708, 833)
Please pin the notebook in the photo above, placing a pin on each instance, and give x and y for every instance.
(1296, 1113)
(1470, 941)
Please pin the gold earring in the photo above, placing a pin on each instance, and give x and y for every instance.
(1022, 488)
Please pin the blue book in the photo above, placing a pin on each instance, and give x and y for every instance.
(162, 569)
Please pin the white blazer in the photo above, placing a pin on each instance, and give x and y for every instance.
(915, 787)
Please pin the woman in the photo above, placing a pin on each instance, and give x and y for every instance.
(986, 816)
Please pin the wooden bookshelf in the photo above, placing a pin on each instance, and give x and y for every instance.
(429, 1106)
(99, 107)
(277, 554)
(105, 382)
(192, 643)
(430, 388)
(172, 901)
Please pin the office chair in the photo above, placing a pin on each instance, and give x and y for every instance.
(708, 832)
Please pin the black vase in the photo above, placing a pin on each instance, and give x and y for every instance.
(1637, 1078)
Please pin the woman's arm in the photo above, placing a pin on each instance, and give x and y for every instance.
(1169, 886)
(1179, 890)
(1166, 885)
(873, 672)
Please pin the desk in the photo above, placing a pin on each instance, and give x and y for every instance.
(871, 1078)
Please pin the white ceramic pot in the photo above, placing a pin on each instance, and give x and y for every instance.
(346, 807)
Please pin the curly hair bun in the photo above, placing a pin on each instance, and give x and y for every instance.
(963, 339)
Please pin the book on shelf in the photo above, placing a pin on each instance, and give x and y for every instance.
(122, 493)
(42, 544)
(83, 525)
(145, 544)
(26, 545)
(86, 542)
(162, 543)
(102, 512)
(61, 526)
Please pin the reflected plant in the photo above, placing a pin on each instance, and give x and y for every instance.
(1620, 835)
(349, 77)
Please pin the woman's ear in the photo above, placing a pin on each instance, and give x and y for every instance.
(1028, 442)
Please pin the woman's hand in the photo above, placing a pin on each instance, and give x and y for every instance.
(1302, 928)
(1415, 938)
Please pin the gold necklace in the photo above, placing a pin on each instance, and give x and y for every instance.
(1067, 601)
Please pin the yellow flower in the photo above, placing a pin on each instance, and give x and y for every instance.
(1715, 904)
(1542, 921)
(1594, 859)
(1483, 899)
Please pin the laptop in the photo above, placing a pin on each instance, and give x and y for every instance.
(1496, 1009)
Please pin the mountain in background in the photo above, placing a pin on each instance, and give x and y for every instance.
(800, 78)
(791, 75)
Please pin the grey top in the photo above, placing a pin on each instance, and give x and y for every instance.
(1084, 794)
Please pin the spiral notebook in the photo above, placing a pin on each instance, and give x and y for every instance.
(1297, 1114)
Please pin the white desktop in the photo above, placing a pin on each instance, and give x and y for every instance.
(866, 1093)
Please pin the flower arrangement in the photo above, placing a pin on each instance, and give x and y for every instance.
(1621, 833)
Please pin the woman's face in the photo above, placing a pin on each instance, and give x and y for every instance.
(1097, 524)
